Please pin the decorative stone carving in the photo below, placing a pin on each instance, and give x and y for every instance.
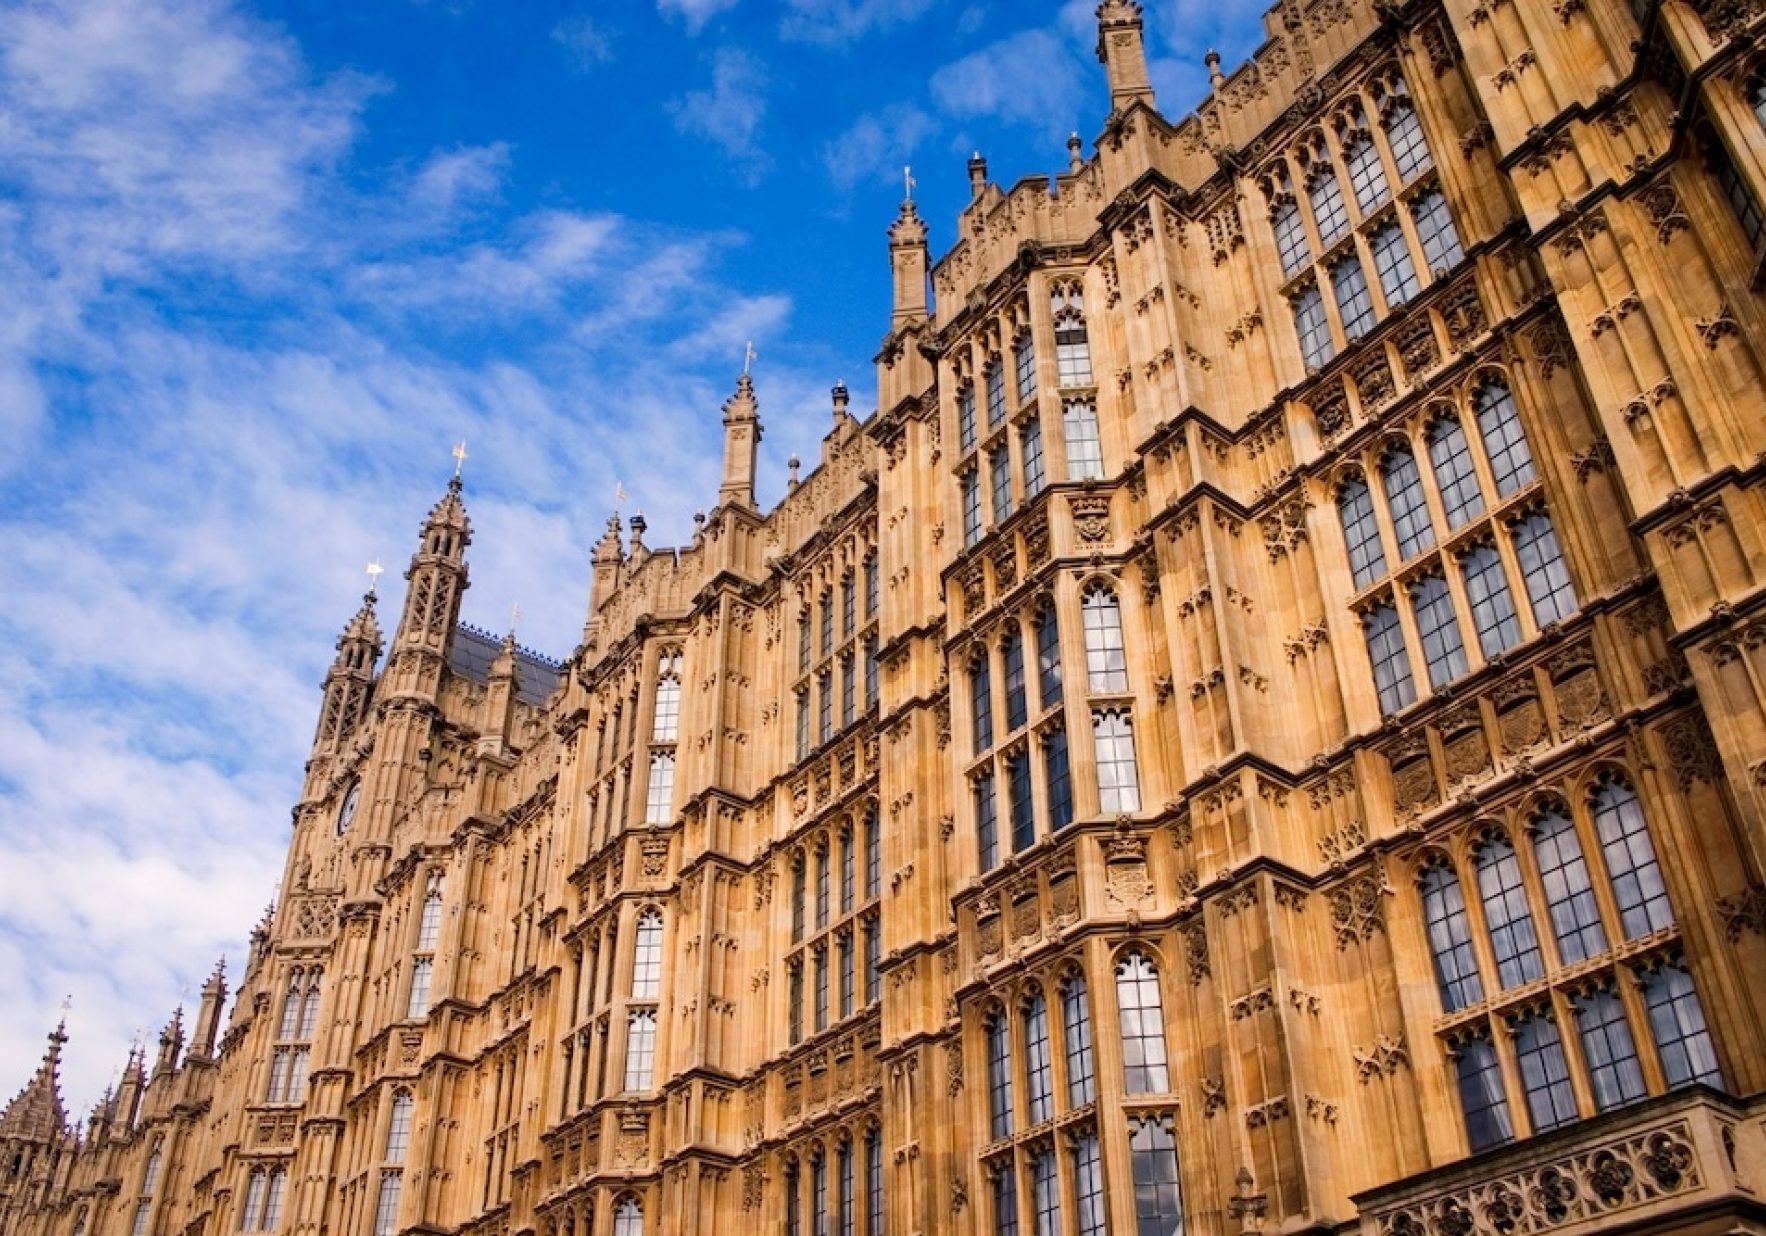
(1383, 1059)
(1358, 908)
(1091, 517)
(1692, 751)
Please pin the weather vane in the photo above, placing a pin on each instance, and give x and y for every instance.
(748, 357)
(459, 458)
(514, 616)
(375, 571)
(908, 182)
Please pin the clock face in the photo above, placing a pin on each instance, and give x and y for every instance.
(346, 814)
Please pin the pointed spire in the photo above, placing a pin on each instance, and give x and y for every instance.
(36, 1113)
(435, 579)
(208, 1013)
(741, 444)
(606, 563)
(1122, 49)
(171, 1042)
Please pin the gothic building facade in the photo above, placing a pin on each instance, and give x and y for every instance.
(1264, 728)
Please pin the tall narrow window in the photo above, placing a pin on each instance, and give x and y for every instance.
(1613, 1071)
(1678, 1022)
(398, 1127)
(971, 487)
(1391, 663)
(251, 1218)
(1313, 328)
(1141, 1017)
(1030, 451)
(1039, 1085)
(640, 1049)
(824, 884)
(871, 683)
(825, 705)
(1493, 611)
(802, 722)
(1072, 346)
(1158, 1198)
(1734, 187)
(848, 872)
(278, 1186)
(848, 689)
(1058, 778)
(1290, 238)
(1512, 939)
(1005, 1198)
(872, 584)
(1048, 658)
(1023, 809)
(1024, 365)
(795, 1001)
(1106, 663)
(1434, 228)
(1367, 175)
(1017, 702)
(666, 723)
(1085, 449)
(628, 1218)
(848, 975)
(996, 392)
(827, 626)
(799, 891)
(1119, 788)
(386, 1203)
(793, 1200)
(998, 1037)
(1631, 860)
(1349, 286)
(647, 957)
(845, 1189)
(873, 854)
(422, 972)
(1076, 1040)
(1045, 1192)
(1404, 496)
(987, 822)
(1569, 894)
(1499, 424)
(1444, 652)
(966, 416)
(805, 650)
(873, 929)
(1450, 938)
(1451, 457)
(981, 700)
(999, 477)
(659, 796)
(874, 1183)
(1545, 1075)
(1404, 133)
(1397, 274)
(1481, 1095)
(1088, 1185)
(820, 956)
(1329, 211)
(1361, 531)
(1543, 569)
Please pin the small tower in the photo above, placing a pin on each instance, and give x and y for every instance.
(741, 444)
(349, 683)
(907, 262)
(436, 581)
(171, 1043)
(1122, 49)
(31, 1127)
(208, 1014)
(500, 690)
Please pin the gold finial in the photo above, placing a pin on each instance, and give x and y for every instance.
(375, 571)
(459, 458)
(748, 358)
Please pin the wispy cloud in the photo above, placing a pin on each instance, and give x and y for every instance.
(1030, 78)
(837, 21)
(695, 13)
(730, 112)
(584, 40)
(876, 145)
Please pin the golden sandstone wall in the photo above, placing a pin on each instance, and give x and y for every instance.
(1263, 728)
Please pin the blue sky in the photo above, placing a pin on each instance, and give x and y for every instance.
(264, 261)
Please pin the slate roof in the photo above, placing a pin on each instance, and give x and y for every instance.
(536, 677)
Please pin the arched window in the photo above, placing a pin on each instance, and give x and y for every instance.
(1084, 442)
(1437, 626)
(1039, 1083)
(1434, 228)
(799, 890)
(1481, 1094)
(1505, 442)
(659, 793)
(1677, 1021)
(1451, 456)
(1391, 253)
(1329, 211)
(251, 1217)
(1404, 497)
(998, 1035)
(1404, 133)
(1542, 567)
(429, 926)
(1361, 531)
(1545, 1074)
(1024, 363)
(386, 1203)
(1312, 326)
(1141, 1014)
(1072, 345)
(1005, 1196)
(668, 697)
(273, 1199)
(1613, 1070)
(1290, 238)
(845, 1192)
(640, 1049)
(818, 1193)
(1076, 1040)
(1106, 664)
(150, 1177)
(1569, 894)
(647, 957)
(398, 1127)
(1158, 1196)
(966, 416)
(628, 1218)
(1048, 657)
(1017, 703)
(1349, 286)
(1493, 610)
(1030, 457)
(309, 1012)
(1367, 175)
(1119, 784)
(292, 1003)
(1450, 938)
(1631, 860)
(1045, 1191)
(793, 1199)
(995, 375)
(970, 482)
(981, 701)
(1391, 663)
(874, 1182)
(1088, 1185)
(1512, 938)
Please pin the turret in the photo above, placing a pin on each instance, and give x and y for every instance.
(741, 444)
(907, 262)
(499, 701)
(349, 683)
(171, 1043)
(129, 1092)
(1122, 49)
(436, 581)
(208, 1014)
(31, 1128)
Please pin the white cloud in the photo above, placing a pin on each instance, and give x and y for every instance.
(583, 40)
(837, 21)
(876, 146)
(459, 177)
(1029, 78)
(695, 12)
(730, 113)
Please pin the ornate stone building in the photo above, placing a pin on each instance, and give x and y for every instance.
(1264, 728)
